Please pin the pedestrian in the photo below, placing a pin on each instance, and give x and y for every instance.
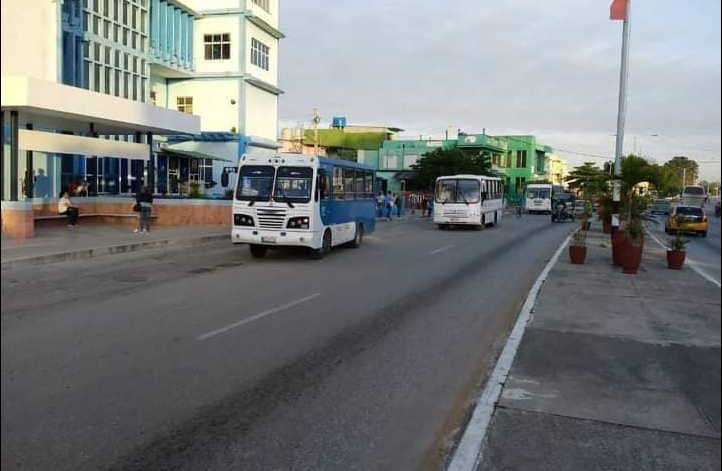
(430, 207)
(144, 206)
(380, 203)
(67, 208)
(389, 205)
(398, 204)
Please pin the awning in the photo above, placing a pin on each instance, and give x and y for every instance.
(405, 176)
(192, 154)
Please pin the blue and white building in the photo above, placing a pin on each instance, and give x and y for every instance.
(119, 92)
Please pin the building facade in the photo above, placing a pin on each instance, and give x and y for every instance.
(517, 159)
(118, 93)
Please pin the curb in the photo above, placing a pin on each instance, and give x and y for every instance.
(118, 249)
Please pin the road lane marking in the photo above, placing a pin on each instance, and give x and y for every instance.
(260, 315)
(692, 264)
(468, 454)
(441, 249)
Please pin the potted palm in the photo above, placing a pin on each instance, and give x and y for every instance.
(586, 216)
(578, 247)
(677, 253)
(631, 253)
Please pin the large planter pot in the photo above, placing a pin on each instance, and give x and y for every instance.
(619, 238)
(577, 254)
(632, 256)
(675, 259)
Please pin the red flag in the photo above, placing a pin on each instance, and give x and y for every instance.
(618, 10)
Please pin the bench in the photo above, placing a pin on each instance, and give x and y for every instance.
(122, 216)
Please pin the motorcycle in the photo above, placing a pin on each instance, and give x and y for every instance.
(563, 207)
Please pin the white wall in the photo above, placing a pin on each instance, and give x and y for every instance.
(211, 101)
(219, 24)
(270, 76)
(30, 39)
(261, 113)
(270, 17)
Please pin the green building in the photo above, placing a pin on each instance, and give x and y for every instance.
(517, 159)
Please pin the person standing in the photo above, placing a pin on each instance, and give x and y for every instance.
(144, 202)
(430, 206)
(380, 203)
(67, 208)
(389, 205)
(398, 204)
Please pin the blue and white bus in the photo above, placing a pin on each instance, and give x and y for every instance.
(302, 201)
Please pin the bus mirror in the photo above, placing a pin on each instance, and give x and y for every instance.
(224, 179)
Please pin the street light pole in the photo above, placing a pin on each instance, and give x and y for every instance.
(621, 118)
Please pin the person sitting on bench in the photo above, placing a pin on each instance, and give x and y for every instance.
(66, 208)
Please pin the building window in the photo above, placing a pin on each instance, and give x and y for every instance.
(521, 159)
(259, 54)
(217, 46)
(185, 104)
(265, 4)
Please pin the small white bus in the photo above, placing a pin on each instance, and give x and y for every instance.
(468, 200)
(539, 198)
(694, 195)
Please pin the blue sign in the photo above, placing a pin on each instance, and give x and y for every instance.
(339, 122)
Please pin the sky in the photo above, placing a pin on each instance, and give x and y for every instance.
(511, 67)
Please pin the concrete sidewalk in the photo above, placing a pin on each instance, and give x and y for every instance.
(59, 244)
(614, 372)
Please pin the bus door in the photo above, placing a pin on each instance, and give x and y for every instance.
(323, 195)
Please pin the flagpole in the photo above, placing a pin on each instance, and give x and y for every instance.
(621, 119)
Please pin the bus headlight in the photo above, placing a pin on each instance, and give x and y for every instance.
(298, 223)
(243, 220)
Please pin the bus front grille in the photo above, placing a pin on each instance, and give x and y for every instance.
(456, 213)
(271, 218)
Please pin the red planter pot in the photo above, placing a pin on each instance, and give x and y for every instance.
(619, 239)
(577, 254)
(632, 257)
(675, 259)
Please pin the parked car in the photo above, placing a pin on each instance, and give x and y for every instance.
(687, 219)
(661, 207)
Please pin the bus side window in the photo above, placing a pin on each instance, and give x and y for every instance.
(360, 186)
(369, 190)
(322, 185)
(338, 193)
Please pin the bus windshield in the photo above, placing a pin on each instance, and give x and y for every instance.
(539, 193)
(255, 183)
(458, 191)
(293, 184)
(694, 191)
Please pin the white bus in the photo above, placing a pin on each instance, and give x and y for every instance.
(302, 201)
(694, 195)
(468, 200)
(539, 198)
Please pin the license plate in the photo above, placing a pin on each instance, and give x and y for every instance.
(268, 239)
(455, 219)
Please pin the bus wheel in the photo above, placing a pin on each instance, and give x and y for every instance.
(258, 251)
(318, 254)
(358, 238)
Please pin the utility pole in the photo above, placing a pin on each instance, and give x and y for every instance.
(315, 120)
(620, 10)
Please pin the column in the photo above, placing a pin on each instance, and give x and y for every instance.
(151, 164)
(14, 156)
(29, 174)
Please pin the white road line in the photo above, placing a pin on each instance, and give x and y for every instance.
(468, 455)
(261, 315)
(692, 264)
(441, 249)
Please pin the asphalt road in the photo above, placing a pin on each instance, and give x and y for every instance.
(703, 252)
(205, 359)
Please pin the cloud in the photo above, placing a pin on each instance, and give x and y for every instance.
(549, 68)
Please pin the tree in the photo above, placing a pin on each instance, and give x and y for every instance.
(665, 181)
(679, 164)
(635, 170)
(588, 179)
(441, 162)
